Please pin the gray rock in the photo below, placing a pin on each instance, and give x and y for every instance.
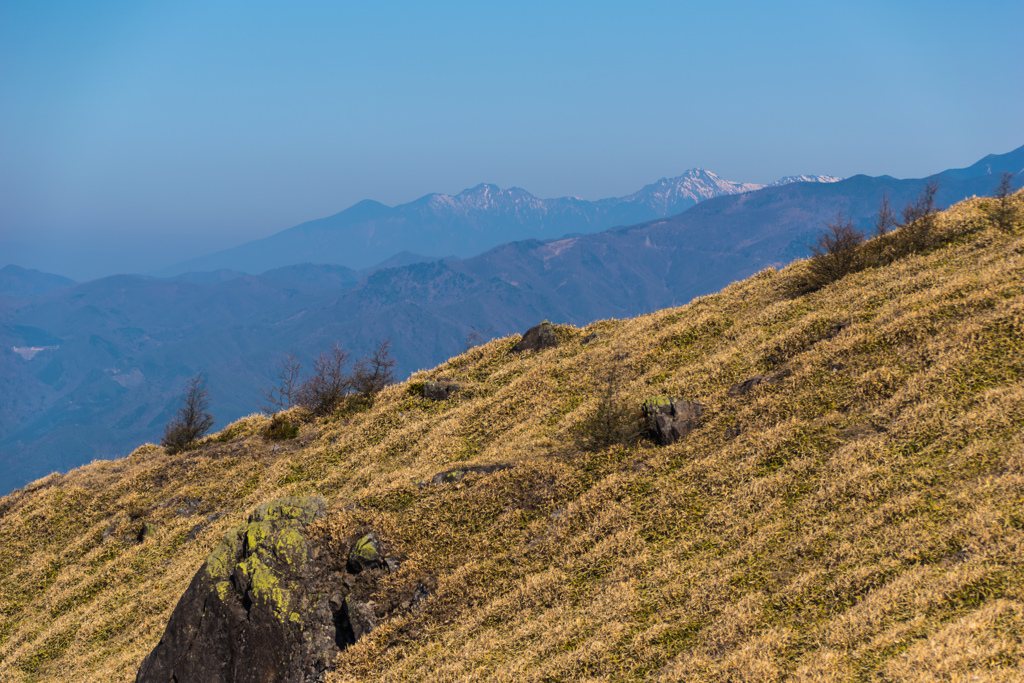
(360, 617)
(536, 338)
(260, 608)
(670, 419)
(365, 554)
(441, 390)
(190, 506)
(148, 530)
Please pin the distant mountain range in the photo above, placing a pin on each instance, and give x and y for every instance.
(91, 370)
(464, 224)
(19, 282)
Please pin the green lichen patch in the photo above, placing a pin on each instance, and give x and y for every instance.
(366, 549)
(290, 548)
(265, 586)
(222, 560)
(657, 402)
(301, 509)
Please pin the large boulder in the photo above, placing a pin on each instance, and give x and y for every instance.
(269, 604)
(670, 419)
(536, 338)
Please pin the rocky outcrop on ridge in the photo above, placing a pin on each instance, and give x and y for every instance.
(536, 338)
(271, 603)
(440, 390)
(670, 419)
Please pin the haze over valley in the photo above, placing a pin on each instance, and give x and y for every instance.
(93, 369)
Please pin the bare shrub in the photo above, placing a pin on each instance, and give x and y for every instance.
(836, 253)
(1002, 211)
(475, 336)
(282, 396)
(373, 372)
(331, 386)
(192, 421)
(322, 392)
(918, 228)
(615, 421)
(885, 219)
(280, 429)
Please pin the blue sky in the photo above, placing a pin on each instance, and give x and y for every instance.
(137, 133)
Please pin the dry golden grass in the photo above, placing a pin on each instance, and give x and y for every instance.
(860, 519)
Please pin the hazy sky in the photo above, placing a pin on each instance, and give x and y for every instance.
(133, 134)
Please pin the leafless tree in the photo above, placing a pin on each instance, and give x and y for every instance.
(885, 219)
(475, 335)
(836, 252)
(375, 371)
(323, 391)
(1004, 214)
(192, 421)
(282, 396)
(917, 230)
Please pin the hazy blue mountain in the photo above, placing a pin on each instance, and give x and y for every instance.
(307, 276)
(18, 282)
(992, 165)
(209, 277)
(462, 225)
(102, 363)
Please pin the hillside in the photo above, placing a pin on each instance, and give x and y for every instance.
(16, 282)
(857, 515)
(121, 348)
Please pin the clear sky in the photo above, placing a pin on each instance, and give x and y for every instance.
(138, 133)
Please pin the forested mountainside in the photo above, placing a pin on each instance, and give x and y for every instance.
(847, 506)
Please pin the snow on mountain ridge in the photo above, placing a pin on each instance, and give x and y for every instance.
(805, 179)
(665, 196)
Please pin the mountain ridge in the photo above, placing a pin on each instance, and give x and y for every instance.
(845, 507)
(463, 224)
(64, 406)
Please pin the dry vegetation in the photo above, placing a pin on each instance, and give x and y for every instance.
(860, 519)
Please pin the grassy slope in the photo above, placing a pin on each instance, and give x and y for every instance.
(866, 522)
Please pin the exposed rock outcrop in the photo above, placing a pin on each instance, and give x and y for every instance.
(441, 390)
(751, 383)
(670, 419)
(269, 604)
(536, 338)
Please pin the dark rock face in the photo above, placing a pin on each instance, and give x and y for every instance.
(266, 606)
(536, 338)
(441, 390)
(147, 531)
(670, 419)
(365, 554)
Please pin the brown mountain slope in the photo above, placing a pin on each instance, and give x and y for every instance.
(858, 517)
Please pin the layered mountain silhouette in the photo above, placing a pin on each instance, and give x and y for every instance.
(464, 224)
(102, 364)
(18, 282)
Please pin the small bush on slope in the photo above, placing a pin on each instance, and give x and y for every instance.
(858, 519)
(192, 421)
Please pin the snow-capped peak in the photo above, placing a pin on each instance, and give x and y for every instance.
(805, 179)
